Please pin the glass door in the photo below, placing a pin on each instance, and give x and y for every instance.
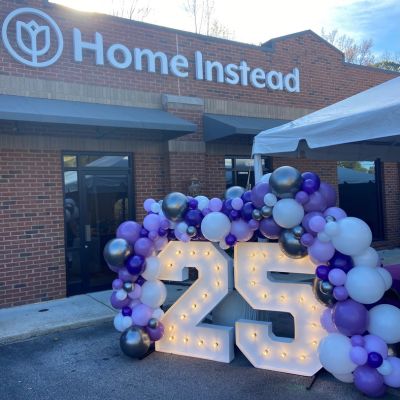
(97, 199)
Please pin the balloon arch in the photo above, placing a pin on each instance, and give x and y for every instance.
(362, 320)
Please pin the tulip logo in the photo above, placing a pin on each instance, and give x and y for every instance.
(33, 41)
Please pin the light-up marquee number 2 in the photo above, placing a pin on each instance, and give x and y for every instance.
(186, 335)
(184, 332)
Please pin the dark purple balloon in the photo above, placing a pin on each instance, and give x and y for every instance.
(126, 311)
(350, 317)
(125, 276)
(119, 304)
(141, 281)
(234, 215)
(368, 380)
(341, 261)
(193, 203)
(312, 176)
(375, 360)
(258, 192)
(316, 202)
(135, 265)
(307, 239)
(155, 333)
(329, 194)
(144, 232)
(269, 228)
(322, 272)
(162, 232)
(247, 211)
(246, 196)
(193, 217)
(230, 240)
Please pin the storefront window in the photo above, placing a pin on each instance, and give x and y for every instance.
(239, 171)
(360, 184)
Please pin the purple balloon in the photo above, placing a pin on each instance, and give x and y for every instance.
(247, 211)
(193, 203)
(253, 224)
(307, 239)
(234, 215)
(241, 230)
(306, 220)
(301, 197)
(258, 192)
(329, 194)
(350, 317)
(129, 230)
(317, 223)
(117, 284)
(193, 217)
(153, 235)
(321, 251)
(357, 340)
(368, 380)
(311, 182)
(340, 293)
(341, 261)
(136, 292)
(126, 311)
(119, 304)
(135, 264)
(358, 355)
(326, 321)
(237, 203)
(322, 272)
(215, 204)
(164, 223)
(124, 275)
(246, 196)
(144, 247)
(230, 240)
(162, 232)
(337, 277)
(205, 211)
(155, 333)
(335, 212)
(316, 202)
(144, 232)
(376, 344)
(147, 204)
(160, 243)
(141, 314)
(151, 222)
(269, 228)
(375, 360)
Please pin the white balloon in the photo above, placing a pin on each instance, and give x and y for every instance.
(155, 208)
(202, 202)
(334, 354)
(385, 368)
(158, 314)
(118, 322)
(346, 378)
(153, 268)
(365, 285)
(265, 178)
(126, 322)
(153, 294)
(368, 258)
(384, 321)
(270, 199)
(323, 237)
(121, 294)
(288, 213)
(215, 226)
(354, 238)
(223, 245)
(387, 278)
(331, 229)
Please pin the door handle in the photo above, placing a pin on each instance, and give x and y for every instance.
(86, 246)
(88, 233)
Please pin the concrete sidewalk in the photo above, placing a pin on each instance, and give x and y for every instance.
(24, 322)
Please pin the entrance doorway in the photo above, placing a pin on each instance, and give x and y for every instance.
(97, 198)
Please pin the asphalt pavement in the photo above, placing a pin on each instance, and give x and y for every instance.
(86, 363)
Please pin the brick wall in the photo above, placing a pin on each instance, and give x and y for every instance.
(32, 264)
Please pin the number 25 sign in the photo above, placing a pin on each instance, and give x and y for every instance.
(254, 264)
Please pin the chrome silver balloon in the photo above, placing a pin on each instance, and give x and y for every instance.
(174, 206)
(233, 192)
(266, 211)
(285, 182)
(256, 214)
(298, 231)
(153, 323)
(128, 287)
(191, 231)
(134, 342)
(291, 245)
(116, 251)
(323, 291)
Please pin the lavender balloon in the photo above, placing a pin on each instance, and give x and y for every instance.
(151, 222)
(335, 212)
(306, 220)
(359, 355)
(141, 314)
(340, 293)
(125, 276)
(215, 204)
(144, 247)
(147, 204)
(119, 304)
(155, 333)
(129, 230)
(321, 251)
(329, 194)
(337, 277)
(316, 202)
(241, 230)
(373, 343)
(326, 321)
(307, 239)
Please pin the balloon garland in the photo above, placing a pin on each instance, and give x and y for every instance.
(298, 210)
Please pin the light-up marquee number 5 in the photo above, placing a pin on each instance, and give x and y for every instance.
(185, 335)
(184, 332)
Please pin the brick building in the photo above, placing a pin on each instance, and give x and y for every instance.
(98, 113)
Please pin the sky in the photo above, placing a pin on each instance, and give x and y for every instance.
(256, 21)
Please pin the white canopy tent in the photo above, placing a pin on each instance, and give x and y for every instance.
(365, 126)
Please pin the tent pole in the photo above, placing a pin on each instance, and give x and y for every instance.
(258, 171)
